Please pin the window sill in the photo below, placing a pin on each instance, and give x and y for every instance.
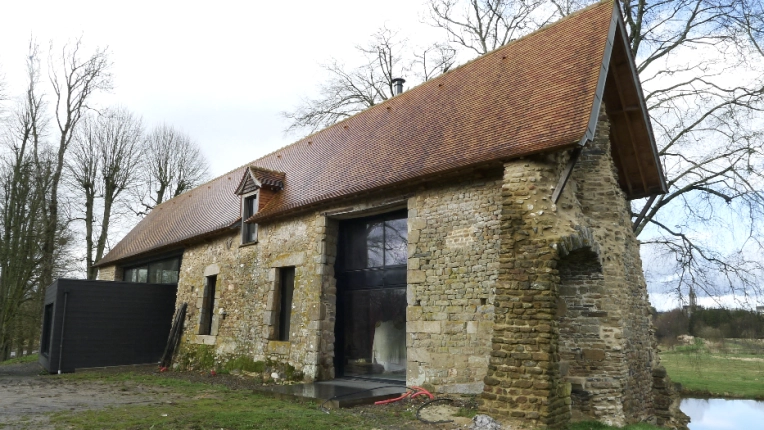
(280, 347)
(204, 339)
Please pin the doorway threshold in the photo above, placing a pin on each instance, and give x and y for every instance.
(338, 393)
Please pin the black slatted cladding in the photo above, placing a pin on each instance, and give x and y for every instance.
(105, 323)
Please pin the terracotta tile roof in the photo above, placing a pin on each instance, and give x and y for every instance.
(270, 178)
(206, 209)
(535, 94)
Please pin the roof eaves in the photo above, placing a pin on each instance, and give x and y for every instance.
(642, 106)
(268, 213)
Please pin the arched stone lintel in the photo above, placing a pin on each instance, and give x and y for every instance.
(582, 238)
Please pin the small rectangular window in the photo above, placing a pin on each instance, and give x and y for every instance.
(286, 290)
(208, 305)
(47, 327)
(249, 208)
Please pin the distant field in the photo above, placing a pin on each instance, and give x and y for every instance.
(731, 370)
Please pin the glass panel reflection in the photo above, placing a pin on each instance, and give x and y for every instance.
(375, 245)
(396, 235)
(375, 336)
(161, 272)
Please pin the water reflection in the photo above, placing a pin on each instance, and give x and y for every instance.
(716, 414)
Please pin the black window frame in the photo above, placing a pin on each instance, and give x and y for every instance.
(249, 207)
(286, 295)
(147, 265)
(364, 276)
(207, 312)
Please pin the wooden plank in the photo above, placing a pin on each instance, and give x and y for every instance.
(644, 212)
(566, 174)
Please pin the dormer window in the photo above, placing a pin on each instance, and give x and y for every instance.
(248, 208)
(258, 187)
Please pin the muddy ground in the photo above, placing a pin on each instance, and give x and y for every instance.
(28, 396)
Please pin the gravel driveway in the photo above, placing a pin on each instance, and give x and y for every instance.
(27, 395)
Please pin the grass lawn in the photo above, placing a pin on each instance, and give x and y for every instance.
(209, 406)
(25, 359)
(215, 406)
(716, 374)
(220, 409)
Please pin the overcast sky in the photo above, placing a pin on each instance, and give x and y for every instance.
(222, 71)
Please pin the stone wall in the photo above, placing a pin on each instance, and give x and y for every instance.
(247, 278)
(454, 235)
(620, 363)
(110, 273)
(523, 380)
(581, 300)
(572, 334)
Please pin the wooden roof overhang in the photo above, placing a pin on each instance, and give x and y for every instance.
(635, 152)
(633, 146)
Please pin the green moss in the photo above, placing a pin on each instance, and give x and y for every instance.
(244, 363)
(291, 374)
(466, 412)
(196, 357)
(202, 357)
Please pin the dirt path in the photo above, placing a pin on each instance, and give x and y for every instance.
(27, 397)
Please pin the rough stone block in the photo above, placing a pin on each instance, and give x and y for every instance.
(279, 347)
(594, 354)
(416, 276)
(472, 327)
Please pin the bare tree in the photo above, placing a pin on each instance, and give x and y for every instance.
(104, 161)
(484, 25)
(701, 64)
(351, 90)
(74, 77)
(174, 165)
(22, 186)
(709, 130)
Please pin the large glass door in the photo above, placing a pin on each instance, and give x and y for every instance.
(371, 286)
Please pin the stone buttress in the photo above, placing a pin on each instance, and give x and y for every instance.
(572, 332)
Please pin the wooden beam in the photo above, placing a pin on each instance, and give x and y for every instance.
(644, 212)
(627, 109)
(615, 150)
(629, 128)
(566, 174)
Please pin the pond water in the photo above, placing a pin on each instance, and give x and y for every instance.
(717, 414)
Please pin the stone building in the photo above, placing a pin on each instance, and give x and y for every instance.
(472, 235)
